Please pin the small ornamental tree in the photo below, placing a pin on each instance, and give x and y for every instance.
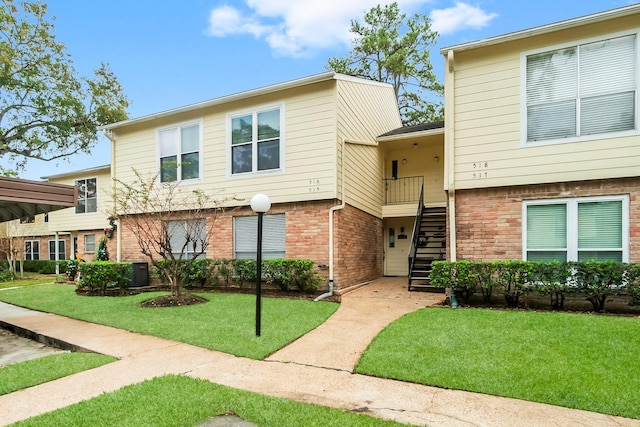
(171, 224)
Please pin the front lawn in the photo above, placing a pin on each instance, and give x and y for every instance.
(226, 323)
(33, 372)
(181, 401)
(582, 361)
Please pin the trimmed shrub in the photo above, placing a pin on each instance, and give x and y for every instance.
(513, 277)
(633, 283)
(599, 280)
(288, 274)
(42, 266)
(553, 279)
(101, 275)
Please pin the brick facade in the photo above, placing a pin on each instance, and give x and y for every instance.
(357, 244)
(489, 221)
(358, 247)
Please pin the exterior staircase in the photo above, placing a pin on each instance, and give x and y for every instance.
(428, 245)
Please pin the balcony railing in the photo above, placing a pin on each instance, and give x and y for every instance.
(402, 190)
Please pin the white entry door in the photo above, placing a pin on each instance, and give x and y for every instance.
(397, 242)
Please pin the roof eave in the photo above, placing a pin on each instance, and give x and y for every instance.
(409, 135)
(316, 78)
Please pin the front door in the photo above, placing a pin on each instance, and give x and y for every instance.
(397, 242)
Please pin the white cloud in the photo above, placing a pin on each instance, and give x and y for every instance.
(294, 28)
(298, 28)
(459, 17)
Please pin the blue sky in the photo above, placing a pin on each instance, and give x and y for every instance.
(168, 54)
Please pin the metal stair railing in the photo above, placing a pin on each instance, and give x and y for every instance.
(416, 235)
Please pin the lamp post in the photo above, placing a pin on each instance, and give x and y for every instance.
(259, 204)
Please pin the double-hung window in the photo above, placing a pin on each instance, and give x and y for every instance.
(31, 249)
(590, 228)
(256, 140)
(580, 90)
(245, 232)
(89, 242)
(179, 150)
(61, 250)
(87, 195)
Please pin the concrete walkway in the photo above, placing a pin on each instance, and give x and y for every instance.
(317, 369)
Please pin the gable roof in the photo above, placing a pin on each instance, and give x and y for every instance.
(316, 78)
(20, 198)
(543, 29)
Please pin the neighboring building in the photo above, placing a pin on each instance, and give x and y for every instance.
(542, 142)
(85, 224)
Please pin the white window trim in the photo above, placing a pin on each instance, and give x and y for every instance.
(97, 196)
(582, 138)
(255, 173)
(24, 252)
(95, 246)
(572, 225)
(198, 122)
(62, 256)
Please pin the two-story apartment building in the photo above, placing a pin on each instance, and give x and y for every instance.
(542, 142)
(309, 144)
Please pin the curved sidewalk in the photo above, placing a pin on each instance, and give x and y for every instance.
(317, 368)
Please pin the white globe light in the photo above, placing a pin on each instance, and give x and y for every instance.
(260, 203)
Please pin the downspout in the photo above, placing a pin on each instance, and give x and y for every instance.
(450, 155)
(331, 211)
(450, 152)
(108, 134)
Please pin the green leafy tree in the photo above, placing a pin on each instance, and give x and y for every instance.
(47, 112)
(389, 47)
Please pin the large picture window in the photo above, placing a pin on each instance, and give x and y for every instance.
(179, 150)
(581, 90)
(594, 228)
(87, 195)
(256, 141)
(245, 234)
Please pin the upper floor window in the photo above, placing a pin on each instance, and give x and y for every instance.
(580, 90)
(87, 195)
(256, 141)
(179, 150)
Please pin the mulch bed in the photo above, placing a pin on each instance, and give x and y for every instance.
(189, 299)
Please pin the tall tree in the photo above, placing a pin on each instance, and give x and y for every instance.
(46, 111)
(389, 47)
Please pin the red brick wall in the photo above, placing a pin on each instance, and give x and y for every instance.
(358, 247)
(358, 239)
(489, 221)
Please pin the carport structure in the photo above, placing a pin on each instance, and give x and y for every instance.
(21, 198)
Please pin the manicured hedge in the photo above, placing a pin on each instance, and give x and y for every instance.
(596, 281)
(286, 274)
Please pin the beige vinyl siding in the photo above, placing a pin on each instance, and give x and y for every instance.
(308, 140)
(487, 108)
(365, 110)
(66, 220)
(34, 229)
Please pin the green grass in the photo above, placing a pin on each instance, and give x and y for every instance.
(29, 279)
(579, 361)
(181, 401)
(226, 323)
(33, 372)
